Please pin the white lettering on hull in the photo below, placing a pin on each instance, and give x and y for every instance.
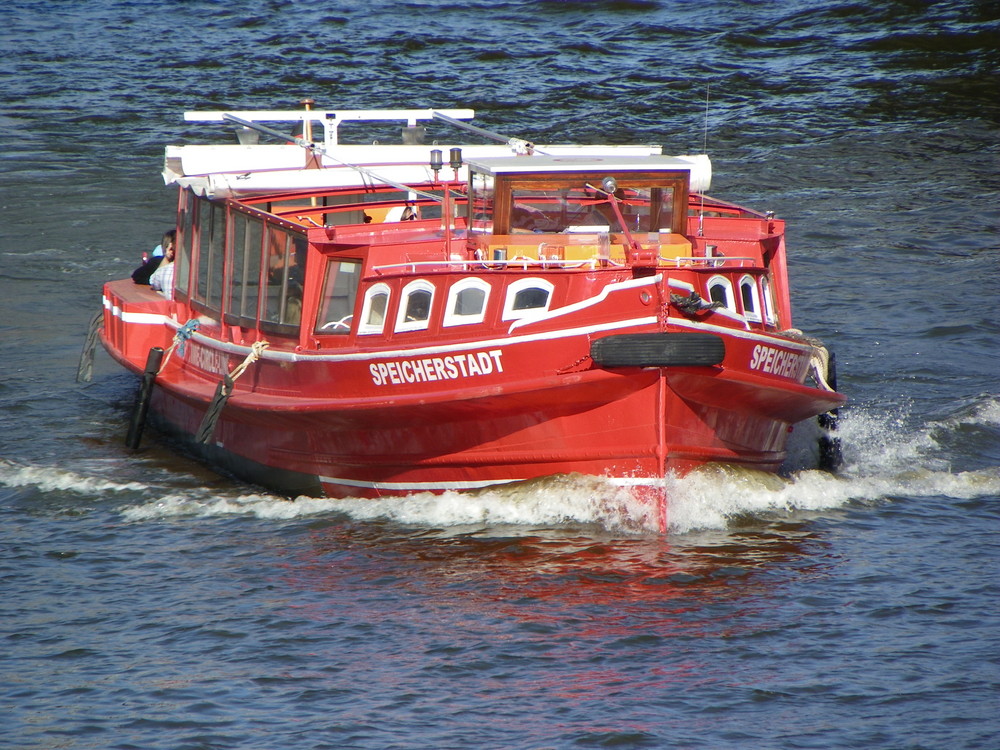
(431, 369)
(209, 360)
(779, 361)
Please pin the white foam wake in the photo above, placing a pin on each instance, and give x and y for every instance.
(710, 498)
(55, 479)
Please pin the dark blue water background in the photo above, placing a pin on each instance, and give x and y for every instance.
(146, 602)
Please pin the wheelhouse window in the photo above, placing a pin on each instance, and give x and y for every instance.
(720, 289)
(373, 312)
(415, 306)
(527, 298)
(467, 302)
(545, 196)
(340, 291)
(750, 299)
(572, 209)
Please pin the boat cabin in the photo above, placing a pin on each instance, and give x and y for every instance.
(330, 267)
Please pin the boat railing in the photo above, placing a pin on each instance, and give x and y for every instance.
(717, 261)
(524, 263)
(462, 264)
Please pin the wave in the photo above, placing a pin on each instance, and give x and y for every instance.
(884, 459)
(54, 479)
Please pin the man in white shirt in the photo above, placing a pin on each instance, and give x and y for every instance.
(162, 279)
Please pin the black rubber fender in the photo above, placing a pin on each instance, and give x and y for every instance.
(680, 349)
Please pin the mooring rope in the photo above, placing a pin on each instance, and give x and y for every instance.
(224, 390)
(693, 303)
(184, 333)
(819, 357)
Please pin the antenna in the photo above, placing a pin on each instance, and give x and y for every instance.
(704, 150)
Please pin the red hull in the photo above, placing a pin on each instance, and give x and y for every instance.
(533, 419)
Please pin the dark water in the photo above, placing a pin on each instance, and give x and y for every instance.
(148, 603)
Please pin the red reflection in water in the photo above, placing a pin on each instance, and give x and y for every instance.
(606, 587)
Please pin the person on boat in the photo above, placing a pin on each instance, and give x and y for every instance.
(162, 279)
(151, 262)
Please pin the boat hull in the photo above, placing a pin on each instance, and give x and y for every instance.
(630, 427)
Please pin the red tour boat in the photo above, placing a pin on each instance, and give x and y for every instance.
(355, 319)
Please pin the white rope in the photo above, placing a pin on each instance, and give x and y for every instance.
(256, 349)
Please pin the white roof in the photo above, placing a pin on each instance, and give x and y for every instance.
(233, 169)
(698, 165)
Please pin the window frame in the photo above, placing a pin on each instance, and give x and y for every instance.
(364, 327)
(515, 288)
(727, 286)
(417, 285)
(767, 293)
(454, 318)
(753, 312)
(241, 304)
(340, 327)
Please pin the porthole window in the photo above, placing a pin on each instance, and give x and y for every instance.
(527, 298)
(415, 306)
(374, 310)
(720, 289)
(750, 299)
(467, 302)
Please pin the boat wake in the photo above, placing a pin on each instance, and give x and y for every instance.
(884, 458)
(53, 479)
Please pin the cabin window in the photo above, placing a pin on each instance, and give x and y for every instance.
(749, 298)
(720, 289)
(188, 207)
(374, 309)
(527, 298)
(770, 315)
(286, 257)
(340, 290)
(209, 243)
(467, 302)
(244, 280)
(415, 306)
(216, 252)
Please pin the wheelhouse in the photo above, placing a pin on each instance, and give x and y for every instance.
(578, 207)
